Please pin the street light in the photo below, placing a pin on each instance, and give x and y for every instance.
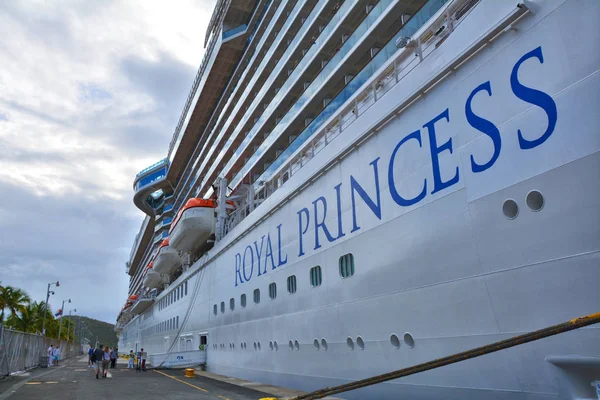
(62, 312)
(57, 283)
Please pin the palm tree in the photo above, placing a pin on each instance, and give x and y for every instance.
(28, 320)
(14, 299)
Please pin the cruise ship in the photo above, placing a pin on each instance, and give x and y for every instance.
(359, 186)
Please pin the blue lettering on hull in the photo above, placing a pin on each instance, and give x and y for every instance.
(262, 253)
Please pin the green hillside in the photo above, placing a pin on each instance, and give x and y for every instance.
(104, 331)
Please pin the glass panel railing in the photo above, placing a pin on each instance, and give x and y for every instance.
(283, 91)
(251, 85)
(232, 32)
(418, 20)
(161, 173)
(156, 164)
(233, 98)
(315, 85)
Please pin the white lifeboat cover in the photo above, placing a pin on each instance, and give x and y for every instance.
(152, 279)
(166, 260)
(193, 229)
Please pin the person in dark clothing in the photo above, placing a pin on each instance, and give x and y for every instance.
(99, 356)
(113, 357)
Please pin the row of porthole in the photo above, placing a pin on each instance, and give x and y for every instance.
(322, 344)
(534, 200)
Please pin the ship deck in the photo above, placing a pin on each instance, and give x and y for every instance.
(73, 380)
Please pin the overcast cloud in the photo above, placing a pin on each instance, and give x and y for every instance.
(90, 93)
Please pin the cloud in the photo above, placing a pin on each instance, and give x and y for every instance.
(90, 93)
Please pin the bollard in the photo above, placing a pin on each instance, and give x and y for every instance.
(189, 372)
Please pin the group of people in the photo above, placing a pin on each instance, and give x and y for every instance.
(102, 358)
(53, 355)
(141, 358)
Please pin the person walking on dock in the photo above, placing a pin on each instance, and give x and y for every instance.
(105, 361)
(50, 354)
(90, 354)
(56, 354)
(113, 357)
(98, 357)
(131, 358)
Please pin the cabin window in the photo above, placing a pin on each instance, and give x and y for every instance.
(243, 300)
(231, 304)
(291, 284)
(346, 264)
(222, 307)
(215, 309)
(316, 277)
(177, 322)
(178, 292)
(256, 296)
(185, 287)
(272, 290)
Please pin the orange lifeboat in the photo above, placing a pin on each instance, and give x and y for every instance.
(167, 258)
(194, 224)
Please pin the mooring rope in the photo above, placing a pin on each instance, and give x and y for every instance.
(458, 357)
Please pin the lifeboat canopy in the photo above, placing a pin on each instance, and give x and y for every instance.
(193, 225)
(167, 258)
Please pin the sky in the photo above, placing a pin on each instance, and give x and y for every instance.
(90, 94)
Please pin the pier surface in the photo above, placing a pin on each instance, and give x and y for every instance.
(72, 379)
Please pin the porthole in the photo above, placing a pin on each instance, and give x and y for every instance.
(296, 345)
(409, 340)
(316, 344)
(316, 276)
(254, 345)
(243, 300)
(395, 341)
(360, 343)
(350, 343)
(272, 290)
(233, 346)
(215, 309)
(256, 296)
(242, 345)
(231, 304)
(258, 344)
(222, 307)
(510, 209)
(534, 200)
(271, 346)
(275, 345)
(324, 344)
(291, 345)
(346, 265)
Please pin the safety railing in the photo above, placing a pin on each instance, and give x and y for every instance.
(427, 23)
(21, 351)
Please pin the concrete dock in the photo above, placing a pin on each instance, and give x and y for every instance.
(74, 380)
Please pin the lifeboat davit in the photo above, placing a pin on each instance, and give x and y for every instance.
(152, 279)
(194, 224)
(167, 259)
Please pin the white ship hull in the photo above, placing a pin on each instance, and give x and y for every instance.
(437, 262)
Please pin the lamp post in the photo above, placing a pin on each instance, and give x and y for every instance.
(62, 310)
(57, 283)
(69, 324)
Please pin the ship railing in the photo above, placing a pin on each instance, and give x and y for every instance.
(411, 52)
(207, 55)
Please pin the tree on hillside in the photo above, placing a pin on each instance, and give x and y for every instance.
(13, 299)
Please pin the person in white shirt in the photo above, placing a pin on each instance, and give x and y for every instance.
(50, 354)
(56, 354)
